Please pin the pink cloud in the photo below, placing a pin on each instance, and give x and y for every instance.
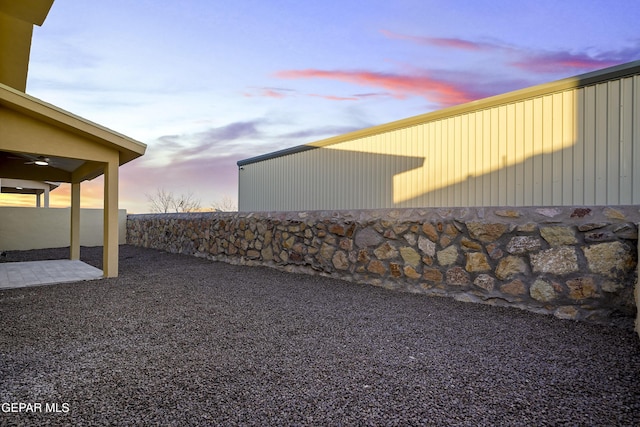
(336, 98)
(446, 42)
(532, 60)
(273, 94)
(433, 89)
(552, 62)
(270, 92)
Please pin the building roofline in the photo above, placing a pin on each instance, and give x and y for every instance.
(32, 11)
(581, 80)
(26, 104)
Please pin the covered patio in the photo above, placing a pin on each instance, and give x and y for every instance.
(27, 187)
(41, 142)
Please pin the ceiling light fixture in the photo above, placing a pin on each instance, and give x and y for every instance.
(41, 162)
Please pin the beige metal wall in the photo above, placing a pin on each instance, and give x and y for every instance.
(575, 146)
(41, 228)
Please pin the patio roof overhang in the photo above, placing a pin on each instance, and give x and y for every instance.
(77, 149)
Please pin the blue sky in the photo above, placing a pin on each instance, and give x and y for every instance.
(206, 83)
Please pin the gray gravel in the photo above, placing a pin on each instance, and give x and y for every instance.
(177, 340)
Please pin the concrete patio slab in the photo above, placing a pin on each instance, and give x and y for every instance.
(35, 273)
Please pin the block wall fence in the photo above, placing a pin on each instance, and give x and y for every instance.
(572, 262)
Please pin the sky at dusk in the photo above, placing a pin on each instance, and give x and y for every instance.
(207, 83)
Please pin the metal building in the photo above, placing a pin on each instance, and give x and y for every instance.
(574, 141)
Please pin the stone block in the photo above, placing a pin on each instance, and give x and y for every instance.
(368, 237)
(410, 256)
(612, 213)
(377, 267)
(543, 291)
(549, 212)
(529, 227)
(450, 230)
(432, 275)
(253, 254)
(448, 256)
(516, 287)
(363, 256)
(613, 260)
(411, 272)
(427, 246)
(626, 231)
(611, 286)
(510, 266)
(599, 236)
(494, 251)
(395, 270)
(337, 229)
(485, 282)
(580, 212)
(523, 244)
(430, 231)
(399, 228)
(385, 251)
(326, 251)
(508, 213)
(592, 226)
(561, 261)
(340, 260)
(457, 276)
(411, 238)
(289, 242)
(445, 241)
(468, 244)
(581, 288)
(558, 235)
(477, 262)
(486, 232)
(346, 244)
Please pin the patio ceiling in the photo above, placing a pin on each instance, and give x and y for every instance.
(75, 149)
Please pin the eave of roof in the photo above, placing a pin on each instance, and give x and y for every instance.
(25, 104)
(32, 11)
(582, 80)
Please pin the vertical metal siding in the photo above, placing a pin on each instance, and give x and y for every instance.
(626, 135)
(577, 146)
(635, 142)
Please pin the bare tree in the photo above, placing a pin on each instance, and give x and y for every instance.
(227, 204)
(163, 201)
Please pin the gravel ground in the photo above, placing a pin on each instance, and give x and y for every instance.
(178, 340)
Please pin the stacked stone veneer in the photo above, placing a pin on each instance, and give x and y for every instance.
(573, 262)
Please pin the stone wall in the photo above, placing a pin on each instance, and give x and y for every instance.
(572, 262)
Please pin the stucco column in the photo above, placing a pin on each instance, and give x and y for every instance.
(75, 221)
(46, 196)
(110, 250)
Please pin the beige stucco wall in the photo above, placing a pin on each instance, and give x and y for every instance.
(38, 228)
